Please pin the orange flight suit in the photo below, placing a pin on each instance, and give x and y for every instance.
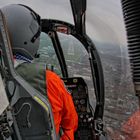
(131, 128)
(63, 109)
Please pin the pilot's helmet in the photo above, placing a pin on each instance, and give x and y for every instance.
(24, 29)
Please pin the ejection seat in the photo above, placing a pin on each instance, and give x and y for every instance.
(30, 111)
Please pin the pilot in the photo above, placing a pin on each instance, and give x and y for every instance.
(24, 31)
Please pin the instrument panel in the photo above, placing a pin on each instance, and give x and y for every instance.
(79, 91)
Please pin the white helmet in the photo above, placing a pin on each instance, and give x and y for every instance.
(24, 29)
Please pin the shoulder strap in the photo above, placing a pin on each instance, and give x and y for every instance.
(35, 74)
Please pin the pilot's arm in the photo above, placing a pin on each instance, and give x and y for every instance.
(64, 112)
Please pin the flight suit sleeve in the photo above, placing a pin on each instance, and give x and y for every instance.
(62, 103)
(69, 115)
(69, 122)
